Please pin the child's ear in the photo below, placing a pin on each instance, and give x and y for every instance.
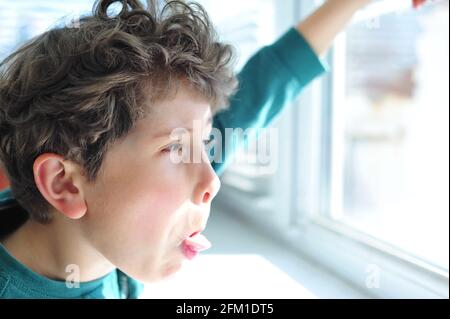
(58, 180)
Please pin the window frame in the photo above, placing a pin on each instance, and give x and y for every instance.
(297, 214)
(321, 234)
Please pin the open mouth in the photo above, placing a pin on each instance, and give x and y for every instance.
(194, 244)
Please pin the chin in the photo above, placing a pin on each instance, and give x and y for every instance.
(165, 272)
(171, 270)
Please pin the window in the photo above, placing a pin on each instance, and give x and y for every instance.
(390, 142)
(355, 158)
(22, 20)
(371, 187)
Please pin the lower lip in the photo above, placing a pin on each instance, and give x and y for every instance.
(189, 253)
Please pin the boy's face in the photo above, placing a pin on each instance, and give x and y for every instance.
(144, 204)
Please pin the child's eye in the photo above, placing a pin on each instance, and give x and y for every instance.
(176, 147)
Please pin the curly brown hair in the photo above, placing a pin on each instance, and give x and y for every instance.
(73, 91)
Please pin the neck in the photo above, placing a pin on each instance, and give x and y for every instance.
(49, 249)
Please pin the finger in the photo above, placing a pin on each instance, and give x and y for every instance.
(418, 3)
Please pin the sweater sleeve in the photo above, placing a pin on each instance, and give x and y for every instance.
(271, 79)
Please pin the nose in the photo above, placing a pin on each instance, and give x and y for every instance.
(208, 184)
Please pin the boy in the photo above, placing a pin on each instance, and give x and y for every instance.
(86, 116)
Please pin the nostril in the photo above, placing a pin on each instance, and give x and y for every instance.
(206, 197)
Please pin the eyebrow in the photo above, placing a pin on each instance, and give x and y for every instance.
(166, 134)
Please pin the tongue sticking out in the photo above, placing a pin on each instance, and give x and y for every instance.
(198, 242)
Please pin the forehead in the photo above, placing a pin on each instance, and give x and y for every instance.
(178, 111)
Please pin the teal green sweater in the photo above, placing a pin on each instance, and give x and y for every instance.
(269, 81)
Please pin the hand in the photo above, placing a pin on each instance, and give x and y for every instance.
(418, 3)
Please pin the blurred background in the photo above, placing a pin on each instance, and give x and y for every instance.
(358, 203)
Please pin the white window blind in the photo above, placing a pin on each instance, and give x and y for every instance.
(22, 20)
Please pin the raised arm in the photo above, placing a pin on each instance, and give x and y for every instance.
(277, 73)
(321, 27)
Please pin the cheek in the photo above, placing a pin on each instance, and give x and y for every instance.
(158, 184)
(164, 189)
(139, 236)
(139, 206)
(145, 210)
